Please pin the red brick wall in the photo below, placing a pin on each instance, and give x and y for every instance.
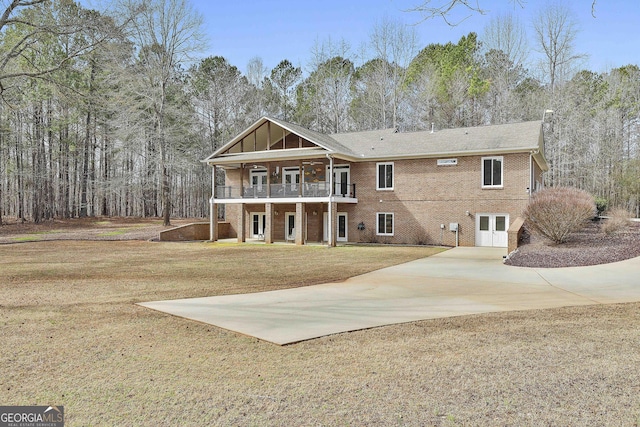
(424, 197)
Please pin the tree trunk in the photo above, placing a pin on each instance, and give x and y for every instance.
(87, 143)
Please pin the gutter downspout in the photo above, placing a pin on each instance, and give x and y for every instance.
(530, 174)
(212, 214)
(330, 213)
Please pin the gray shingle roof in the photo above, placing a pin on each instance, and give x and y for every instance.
(482, 139)
(389, 144)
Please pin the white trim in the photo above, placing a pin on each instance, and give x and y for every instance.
(491, 233)
(264, 225)
(393, 223)
(346, 227)
(501, 158)
(325, 225)
(287, 237)
(393, 176)
(337, 169)
(286, 200)
(259, 172)
(293, 173)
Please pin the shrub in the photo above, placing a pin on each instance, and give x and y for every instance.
(369, 236)
(617, 220)
(420, 238)
(555, 213)
(602, 205)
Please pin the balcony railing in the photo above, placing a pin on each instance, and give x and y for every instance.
(315, 189)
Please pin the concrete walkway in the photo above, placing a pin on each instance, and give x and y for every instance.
(457, 282)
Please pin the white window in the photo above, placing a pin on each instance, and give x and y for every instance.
(492, 171)
(384, 176)
(384, 224)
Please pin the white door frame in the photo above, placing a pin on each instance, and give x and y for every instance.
(262, 221)
(260, 177)
(289, 237)
(293, 174)
(325, 227)
(337, 178)
(492, 237)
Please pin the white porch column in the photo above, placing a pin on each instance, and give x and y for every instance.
(300, 226)
(268, 226)
(333, 208)
(333, 217)
(241, 223)
(213, 209)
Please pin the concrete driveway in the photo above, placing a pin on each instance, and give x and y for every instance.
(457, 282)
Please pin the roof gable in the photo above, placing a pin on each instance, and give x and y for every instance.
(269, 134)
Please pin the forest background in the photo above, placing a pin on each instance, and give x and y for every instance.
(110, 112)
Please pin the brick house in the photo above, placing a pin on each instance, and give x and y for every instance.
(287, 183)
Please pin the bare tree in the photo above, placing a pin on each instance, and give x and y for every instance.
(394, 46)
(430, 9)
(444, 9)
(166, 34)
(283, 80)
(507, 34)
(219, 94)
(256, 71)
(323, 98)
(504, 77)
(555, 34)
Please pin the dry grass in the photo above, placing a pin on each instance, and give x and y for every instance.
(617, 220)
(72, 336)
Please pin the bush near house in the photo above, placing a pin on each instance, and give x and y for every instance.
(554, 213)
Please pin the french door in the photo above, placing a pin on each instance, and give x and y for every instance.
(341, 227)
(291, 181)
(341, 178)
(290, 226)
(258, 221)
(491, 230)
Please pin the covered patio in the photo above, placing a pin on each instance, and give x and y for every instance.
(282, 183)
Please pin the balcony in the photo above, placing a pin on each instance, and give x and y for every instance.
(286, 191)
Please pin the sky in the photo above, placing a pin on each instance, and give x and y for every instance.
(273, 30)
